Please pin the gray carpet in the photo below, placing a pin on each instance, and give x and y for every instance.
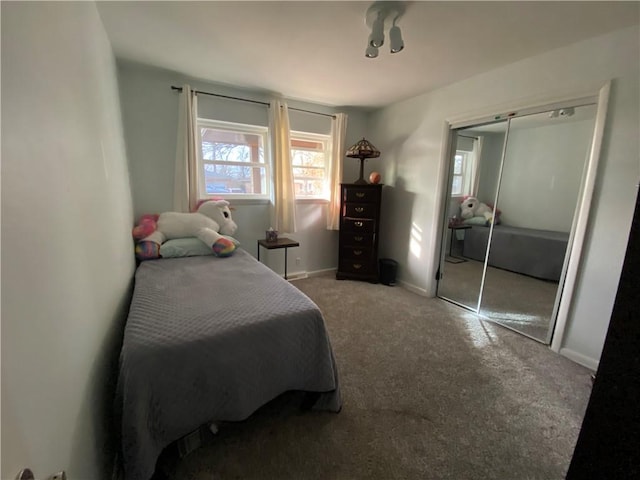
(429, 392)
(518, 301)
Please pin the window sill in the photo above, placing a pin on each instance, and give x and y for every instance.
(312, 201)
(242, 200)
(265, 201)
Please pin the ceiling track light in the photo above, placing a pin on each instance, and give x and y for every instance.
(395, 39)
(371, 52)
(383, 16)
(376, 39)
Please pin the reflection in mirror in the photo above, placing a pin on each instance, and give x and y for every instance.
(538, 193)
(476, 160)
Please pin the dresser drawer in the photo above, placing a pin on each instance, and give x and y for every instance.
(358, 225)
(357, 195)
(355, 239)
(356, 266)
(363, 254)
(360, 210)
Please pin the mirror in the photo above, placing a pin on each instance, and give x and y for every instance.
(476, 158)
(539, 188)
(507, 260)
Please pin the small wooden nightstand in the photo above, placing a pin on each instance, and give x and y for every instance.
(282, 242)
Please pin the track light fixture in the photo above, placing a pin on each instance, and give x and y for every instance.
(380, 15)
(376, 39)
(395, 38)
(371, 52)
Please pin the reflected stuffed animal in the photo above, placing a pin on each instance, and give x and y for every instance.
(472, 207)
(211, 223)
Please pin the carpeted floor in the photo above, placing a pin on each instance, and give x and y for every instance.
(429, 392)
(518, 301)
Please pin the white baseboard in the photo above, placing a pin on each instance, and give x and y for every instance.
(315, 273)
(590, 363)
(412, 288)
(296, 276)
(324, 271)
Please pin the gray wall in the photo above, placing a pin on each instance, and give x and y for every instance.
(150, 110)
(411, 134)
(67, 257)
(542, 174)
(543, 169)
(491, 155)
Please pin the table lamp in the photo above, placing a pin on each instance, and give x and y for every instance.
(363, 149)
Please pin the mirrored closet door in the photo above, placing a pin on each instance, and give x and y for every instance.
(505, 249)
(476, 159)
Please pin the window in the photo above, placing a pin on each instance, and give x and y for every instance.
(310, 158)
(461, 177)
(465, 169)
(232, 158)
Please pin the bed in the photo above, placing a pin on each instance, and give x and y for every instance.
(213, 339)
(537, 253)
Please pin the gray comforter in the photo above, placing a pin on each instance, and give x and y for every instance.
(213, 339)
(537, 253)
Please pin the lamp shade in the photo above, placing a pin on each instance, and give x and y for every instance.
(363, 149)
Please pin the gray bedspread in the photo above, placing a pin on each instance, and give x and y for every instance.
(213, 339)
(537, 253)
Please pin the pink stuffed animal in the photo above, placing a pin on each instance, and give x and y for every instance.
(146, 226)
(212, 224)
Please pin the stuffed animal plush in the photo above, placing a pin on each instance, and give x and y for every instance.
(472, 207)
(146, 226)
(211, 223)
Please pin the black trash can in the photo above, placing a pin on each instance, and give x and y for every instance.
(388, 270)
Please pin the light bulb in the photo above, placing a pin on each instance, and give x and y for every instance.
(376, 39)
(371, 52)
(395, 37)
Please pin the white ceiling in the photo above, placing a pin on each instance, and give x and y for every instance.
(314, 50)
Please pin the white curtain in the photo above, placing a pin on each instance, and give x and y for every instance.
(283, 206)
(338, 134)
(185, 186)
(475, 176)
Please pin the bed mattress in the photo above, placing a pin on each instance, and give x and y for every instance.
(537, 253)
(213, 339)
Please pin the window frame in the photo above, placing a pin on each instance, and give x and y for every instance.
(466, 176)
(242, 128)
(327, 141)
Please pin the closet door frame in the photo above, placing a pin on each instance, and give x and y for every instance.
(576, 242)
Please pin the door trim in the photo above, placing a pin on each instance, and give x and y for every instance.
(584, 208)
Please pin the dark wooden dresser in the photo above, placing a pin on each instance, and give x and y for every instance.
(359, 231)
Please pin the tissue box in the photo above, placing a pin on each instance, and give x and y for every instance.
(272, 235)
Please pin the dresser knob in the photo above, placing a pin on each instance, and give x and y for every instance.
(359, 209)
(357, 266)
(359, 238)
(360, 194)
(358, 224)
(357, 252)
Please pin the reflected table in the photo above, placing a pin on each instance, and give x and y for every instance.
(454, 229)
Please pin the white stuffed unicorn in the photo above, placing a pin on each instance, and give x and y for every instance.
(211, 223)
(472, 207)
